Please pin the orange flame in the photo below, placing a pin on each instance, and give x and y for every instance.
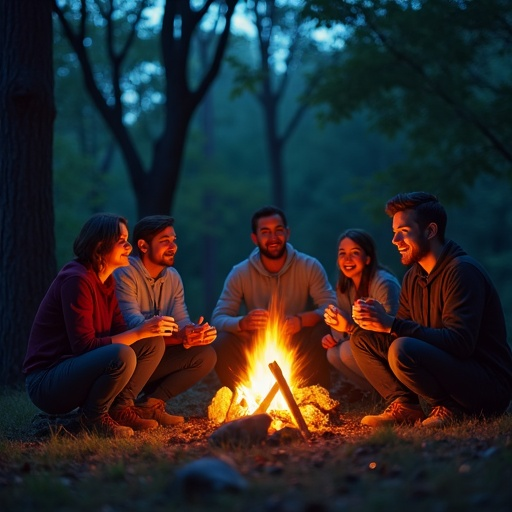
(273, 344)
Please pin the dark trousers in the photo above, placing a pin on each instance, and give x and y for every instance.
(312, 366)
(179, 369)
(407, 368)
(94, 380)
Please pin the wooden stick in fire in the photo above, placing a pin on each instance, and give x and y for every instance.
(265, 403)
(234, 400)
(290, 400)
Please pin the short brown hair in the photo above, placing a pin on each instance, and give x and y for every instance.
(426, 207)
(267, 211)
(97, 238)
(148, 227)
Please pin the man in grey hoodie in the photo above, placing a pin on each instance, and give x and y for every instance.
(148, 287)
(274, 274)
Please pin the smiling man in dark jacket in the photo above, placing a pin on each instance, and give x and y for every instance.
(447, 343)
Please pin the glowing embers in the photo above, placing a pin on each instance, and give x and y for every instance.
(272, 385)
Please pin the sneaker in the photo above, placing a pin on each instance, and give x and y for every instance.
(105, 426)
(397, 412)
(154, 408)
(128, 416)
(441, 416)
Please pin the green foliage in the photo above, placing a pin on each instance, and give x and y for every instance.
(436, 73)
(336, 173)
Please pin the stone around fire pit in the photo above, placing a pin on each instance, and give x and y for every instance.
(246, 431)
(314, 402)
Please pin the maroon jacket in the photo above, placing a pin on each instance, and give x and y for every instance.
(78, 313)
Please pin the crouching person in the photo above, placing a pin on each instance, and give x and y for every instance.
(150, 286)
(81, 354)
(447, 343)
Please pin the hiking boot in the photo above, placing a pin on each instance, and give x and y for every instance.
(395, 413)
(105, 426)
(128, 416)
(154, 408)
(441, 416)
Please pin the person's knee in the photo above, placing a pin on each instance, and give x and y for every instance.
(359, 340)
(403, 352)
(207, 357)
(122, 357)
(333, 356)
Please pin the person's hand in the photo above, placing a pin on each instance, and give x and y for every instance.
(337, 319)
(159, 326)
(293, 325)
(199, 334)
(254, 320)
(328, 341)
(370, 314)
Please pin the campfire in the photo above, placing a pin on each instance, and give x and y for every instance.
(272, 385)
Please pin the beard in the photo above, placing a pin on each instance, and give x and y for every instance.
(415, 253)
(274, 254)
(163, 260)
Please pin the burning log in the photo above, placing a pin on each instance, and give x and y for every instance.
(290, 400)
(231, 414)
(265, 403)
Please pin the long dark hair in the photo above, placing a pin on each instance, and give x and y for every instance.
(97, 238)
(366, 242)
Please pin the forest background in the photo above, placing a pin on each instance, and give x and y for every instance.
(325, 108)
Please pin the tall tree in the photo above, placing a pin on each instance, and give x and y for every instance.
(435, 72)
(282, 42)
(27, 247)
(154, 184)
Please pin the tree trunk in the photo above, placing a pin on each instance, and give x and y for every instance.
(27, 111)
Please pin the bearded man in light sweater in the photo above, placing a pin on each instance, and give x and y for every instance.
(274, 273)
(149, 287)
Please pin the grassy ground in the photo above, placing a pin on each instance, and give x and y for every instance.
(344, 468)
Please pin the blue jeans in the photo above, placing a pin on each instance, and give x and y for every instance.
(407, 368)
(94, 380)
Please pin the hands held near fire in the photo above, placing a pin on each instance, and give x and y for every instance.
(338, 320)
(258, 319)
(254, 320)
(370, 314)
(191, 335)
(328, 341)
(198, 334)
(159, 326)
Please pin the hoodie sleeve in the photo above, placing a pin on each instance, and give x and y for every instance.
(452, 314)
(174, 299)
(320, 289)
(127, 293)
(386, 289)
(226, 314)
(88, 319)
